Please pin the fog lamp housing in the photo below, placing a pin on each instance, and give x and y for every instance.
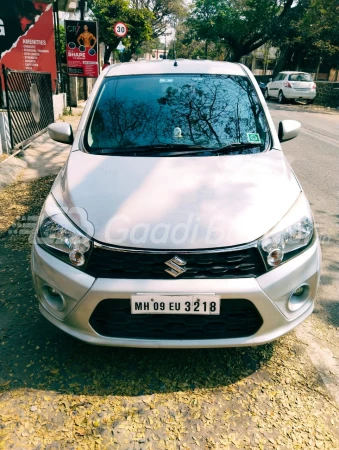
(53, 298)
(298, 297)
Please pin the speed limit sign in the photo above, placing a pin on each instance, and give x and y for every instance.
(120, 29)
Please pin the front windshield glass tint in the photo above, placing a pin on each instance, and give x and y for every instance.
(204, 111)
(300, 77)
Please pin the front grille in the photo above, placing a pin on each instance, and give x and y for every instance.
(243, 263)
(113, 318)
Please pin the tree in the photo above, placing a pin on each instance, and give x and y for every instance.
(138, 21)
(189, 46)
(62, 49)
(242, 25)
(311, 38)
(165, 12)
(319, 26)
(146, 20)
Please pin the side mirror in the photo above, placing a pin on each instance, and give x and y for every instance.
(288, 129)
(270, 79)
(61, 132)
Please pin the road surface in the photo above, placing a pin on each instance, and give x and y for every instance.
(58, 393)
(314, 157)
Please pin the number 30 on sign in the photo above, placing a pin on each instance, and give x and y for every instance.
(120, 29)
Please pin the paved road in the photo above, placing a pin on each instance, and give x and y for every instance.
(58, 393)
(314, 156)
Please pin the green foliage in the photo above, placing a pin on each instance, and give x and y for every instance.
(319, 27)
(146, 20)
(165, 13)
(241, 25)
(189, 46)
(62, 49)
(138, 21)
(149, 46)
(312, 38)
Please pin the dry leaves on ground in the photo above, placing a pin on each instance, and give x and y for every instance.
(58, 393)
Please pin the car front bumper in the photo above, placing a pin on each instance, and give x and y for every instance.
(269, 293)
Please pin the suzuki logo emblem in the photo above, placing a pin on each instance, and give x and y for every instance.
(175, 266)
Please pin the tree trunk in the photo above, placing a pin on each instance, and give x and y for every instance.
(235, 55)
(285, 55)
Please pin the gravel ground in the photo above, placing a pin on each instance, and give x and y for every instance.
(58, 393)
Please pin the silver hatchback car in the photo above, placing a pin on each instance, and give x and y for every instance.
(176, 221)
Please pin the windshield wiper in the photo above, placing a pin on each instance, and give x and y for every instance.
(238, 146)
(179, 149)
(162, 147)
(153, 148)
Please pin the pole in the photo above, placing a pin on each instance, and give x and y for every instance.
(58, 44)
(82, 17)
(7, 106)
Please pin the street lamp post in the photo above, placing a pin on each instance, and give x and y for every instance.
(165, 51)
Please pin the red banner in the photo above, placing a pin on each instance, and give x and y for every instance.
(82, 48)
(34, 50)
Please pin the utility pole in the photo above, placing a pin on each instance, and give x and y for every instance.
(165, 51)
(59, 81)
(82, 6)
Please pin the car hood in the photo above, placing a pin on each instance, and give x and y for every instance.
(176, 202)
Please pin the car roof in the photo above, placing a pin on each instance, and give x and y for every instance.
(183, 66)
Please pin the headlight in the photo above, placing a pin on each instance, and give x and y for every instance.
(291, 236)
(57, 234)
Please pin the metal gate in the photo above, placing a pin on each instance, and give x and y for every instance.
(29, 103)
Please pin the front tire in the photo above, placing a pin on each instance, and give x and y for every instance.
(267, 97)
(281, 98)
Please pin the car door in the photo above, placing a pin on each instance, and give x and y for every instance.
(274, 86)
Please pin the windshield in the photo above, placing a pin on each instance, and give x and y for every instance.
(300, 77)
(169, 113)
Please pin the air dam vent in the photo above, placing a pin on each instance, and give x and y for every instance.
(238, 318)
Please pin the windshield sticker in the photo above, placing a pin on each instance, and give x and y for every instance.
(166, 80)
(253, 138)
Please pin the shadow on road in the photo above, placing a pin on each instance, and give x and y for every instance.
(300, 107)
(35, 354)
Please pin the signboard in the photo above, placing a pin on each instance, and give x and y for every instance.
(27, 36)
(82, 48)
(120, 29)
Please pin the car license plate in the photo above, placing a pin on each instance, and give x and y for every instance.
(205, 304)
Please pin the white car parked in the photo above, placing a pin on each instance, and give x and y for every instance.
(291, 86)
(176, 221)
